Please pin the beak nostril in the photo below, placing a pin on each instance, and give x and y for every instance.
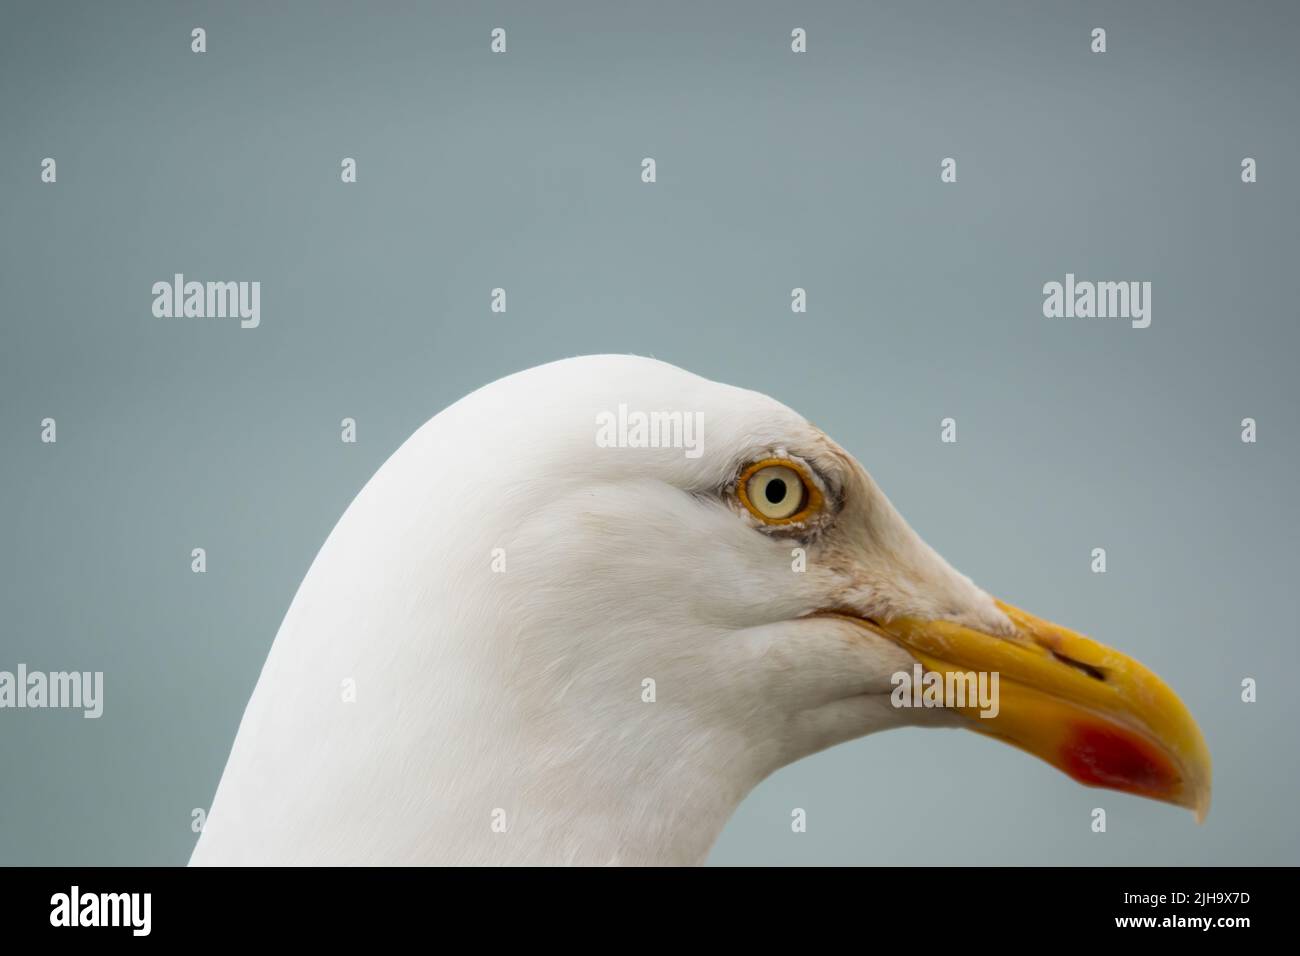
(1096, 673)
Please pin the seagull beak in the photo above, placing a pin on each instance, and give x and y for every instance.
(1089, 711)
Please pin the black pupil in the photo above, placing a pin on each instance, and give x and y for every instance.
(775, 491)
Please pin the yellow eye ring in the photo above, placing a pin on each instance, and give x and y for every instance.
(764, 489)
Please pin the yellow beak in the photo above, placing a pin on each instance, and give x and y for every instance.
(1089, 711)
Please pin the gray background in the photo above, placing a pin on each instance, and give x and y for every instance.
(775, 170)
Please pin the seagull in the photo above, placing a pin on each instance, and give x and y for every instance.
(530, 643)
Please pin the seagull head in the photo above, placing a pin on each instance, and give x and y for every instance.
(606, 597)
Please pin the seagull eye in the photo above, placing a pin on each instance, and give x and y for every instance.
(777, 492)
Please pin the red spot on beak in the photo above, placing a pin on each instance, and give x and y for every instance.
(1102, 755)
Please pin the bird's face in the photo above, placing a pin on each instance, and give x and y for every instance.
(763, 592)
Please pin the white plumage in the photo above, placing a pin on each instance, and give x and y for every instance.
(488, 698)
